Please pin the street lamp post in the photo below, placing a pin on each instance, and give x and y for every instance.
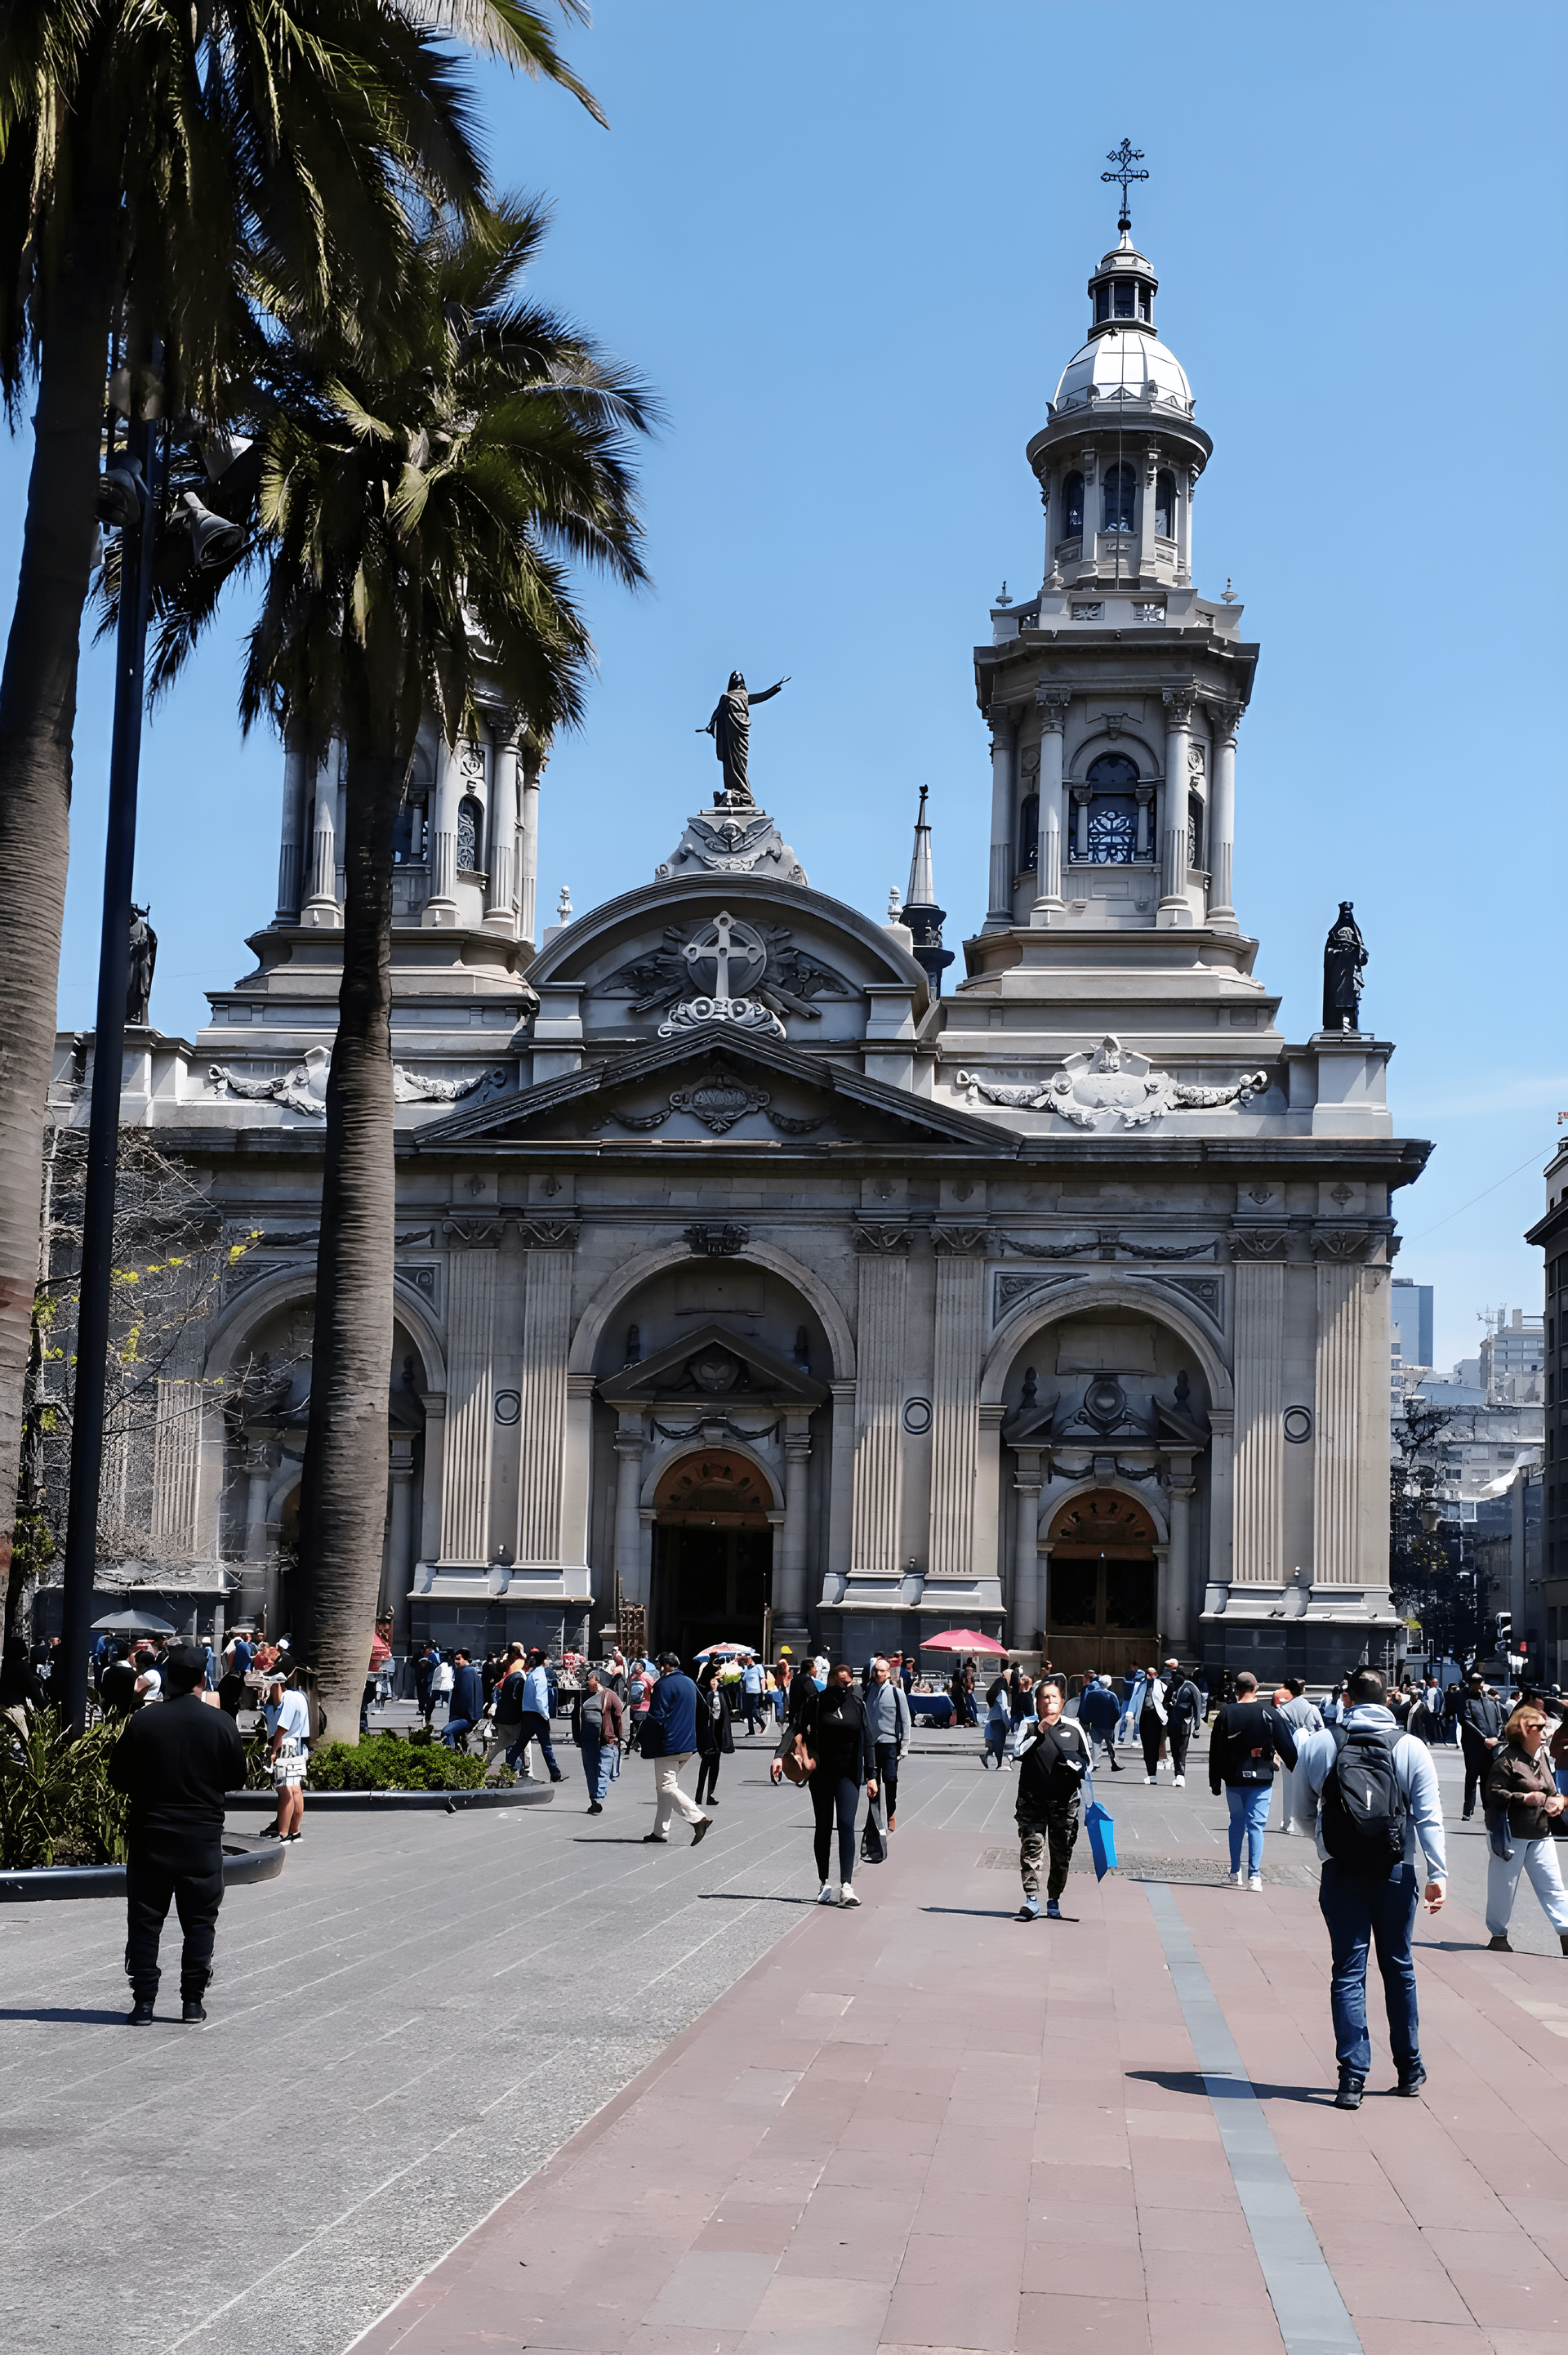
(146, 451)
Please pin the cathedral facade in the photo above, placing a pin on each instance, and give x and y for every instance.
(749, 1277)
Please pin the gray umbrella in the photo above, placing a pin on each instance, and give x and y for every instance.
(131, 1623)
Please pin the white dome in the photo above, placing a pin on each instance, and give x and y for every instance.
(1124, 366)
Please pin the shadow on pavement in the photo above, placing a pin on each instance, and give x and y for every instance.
(1187, 2081)
(60, 2019)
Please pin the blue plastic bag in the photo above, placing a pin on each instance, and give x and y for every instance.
(1101, 1829)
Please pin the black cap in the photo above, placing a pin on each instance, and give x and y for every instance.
(668, 1660)
(186, 1659)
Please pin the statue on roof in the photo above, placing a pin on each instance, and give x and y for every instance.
(730, 729)
(1344, 959)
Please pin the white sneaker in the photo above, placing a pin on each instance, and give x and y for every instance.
(1180, 1782)
(1150, 1778)
(1240, 1878)
(827, 1895)
(847, 1895)
(1255, 1883)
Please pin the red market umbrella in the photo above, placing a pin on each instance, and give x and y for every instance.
(964, 1639)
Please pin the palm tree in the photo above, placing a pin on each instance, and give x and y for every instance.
(177, 169)
(415, 526)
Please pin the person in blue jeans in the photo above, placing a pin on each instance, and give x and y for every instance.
(751, 1695)
(467, 1705)
(538, 1710)
(1362, 1910)
(1247, 1740)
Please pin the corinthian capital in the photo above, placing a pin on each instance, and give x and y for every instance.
(1051, 702)
(1227, 718)
(1003, 725)
(1178, 702)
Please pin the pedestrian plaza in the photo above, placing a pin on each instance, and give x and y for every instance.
(512, 2079)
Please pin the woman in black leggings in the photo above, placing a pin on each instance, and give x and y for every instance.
(836, 1733)
(714, 1736)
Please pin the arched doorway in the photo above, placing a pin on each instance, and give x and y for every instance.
(1102, 1602)
(713, 1553)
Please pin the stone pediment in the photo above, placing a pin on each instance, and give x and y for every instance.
(714, 1363)
(704, 1083)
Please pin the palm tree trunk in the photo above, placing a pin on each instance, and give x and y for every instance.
(343, 1501)
(38, 716)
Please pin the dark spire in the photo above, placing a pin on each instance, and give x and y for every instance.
(1124, 157)
(921, 914)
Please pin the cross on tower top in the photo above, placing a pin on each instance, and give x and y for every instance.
(1124, 157)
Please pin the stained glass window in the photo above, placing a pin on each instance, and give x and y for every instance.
(470, 819)
(1118, 501)
(1073, 507)
(1113, 830)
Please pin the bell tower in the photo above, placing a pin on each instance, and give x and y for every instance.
(1114, 696)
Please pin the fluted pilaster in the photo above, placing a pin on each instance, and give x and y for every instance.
(879, 1389)
(1260, 1551)
(954, 1400)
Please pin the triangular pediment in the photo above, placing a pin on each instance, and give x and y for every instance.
(721, 1085)
(715, 1364)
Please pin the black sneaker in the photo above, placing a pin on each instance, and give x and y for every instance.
(1349, 2096)
(191, 2012)
(141, 2013)
(595, 1809)
(700, 1832)
(1411, 2079)
(655, 1840)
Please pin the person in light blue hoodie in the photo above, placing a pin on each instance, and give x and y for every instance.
(1365, 1905)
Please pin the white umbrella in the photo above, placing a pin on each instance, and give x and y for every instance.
(131, 1623)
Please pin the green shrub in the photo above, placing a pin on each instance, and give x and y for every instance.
(383, 1763)
(57, 1804)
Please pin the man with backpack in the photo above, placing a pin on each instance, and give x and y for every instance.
(1247, 1739)
(1054, 1770)
(1376, 1793)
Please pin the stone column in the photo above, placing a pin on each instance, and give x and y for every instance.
(1222, 1505)
(1026, 1618)
(1081, 796)
(441, 906)
(1003, 747)
(1226, 718)
(472, 1281)
(322, 905)
(398, 1575)
(790, 1584)
(1340, 1434)
(546, 1335)
(291, 849)
(1147, 572)
(534, 761)
(882, 1294)
(258, 1479)
(501, 887)
(1174, 907)
(1052, 704)
(952, 1548)
(1186, 483)
(435, 1405)
(1176, 1618)
(629, 1446)
(1259, 1552)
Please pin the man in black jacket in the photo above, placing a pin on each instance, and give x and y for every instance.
(1246, 1741)
(175, 1762)
(1480, 1730)
(1053, 1768)
(1184, 1703)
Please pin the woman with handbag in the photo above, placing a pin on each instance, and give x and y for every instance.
(1521, 1801)
(714, 1739)
(828, 1745)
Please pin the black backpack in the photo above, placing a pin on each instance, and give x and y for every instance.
(1363, 1807)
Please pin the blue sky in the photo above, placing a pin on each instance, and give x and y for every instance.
(847, 242)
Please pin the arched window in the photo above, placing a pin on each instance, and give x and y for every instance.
(1073, 507)
(471, 822)
(1029, 833)
(1117, 503)
(1110, 837)
(1165, 503)
(408, 835)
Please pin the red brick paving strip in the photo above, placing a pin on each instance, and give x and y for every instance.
(925, 2126)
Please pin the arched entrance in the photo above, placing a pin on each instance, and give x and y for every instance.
(1102, 1602)
(713, 1553)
